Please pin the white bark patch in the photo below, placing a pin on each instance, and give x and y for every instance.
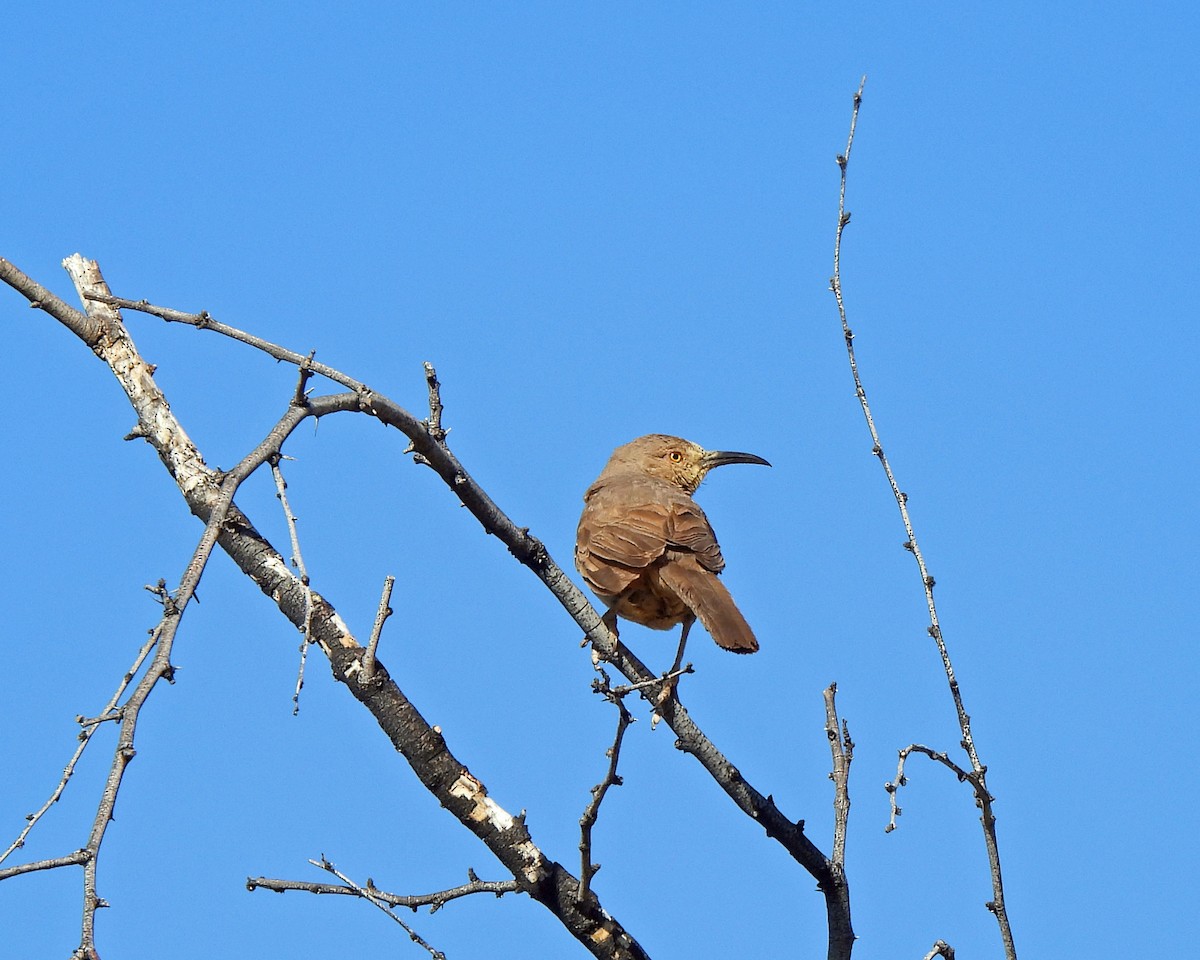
(486, 810)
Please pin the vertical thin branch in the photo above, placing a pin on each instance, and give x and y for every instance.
(160, 669)
(297, 556)
(842, 749)
(381, 615)
(591, 813)
(977, 778)
(434, 423)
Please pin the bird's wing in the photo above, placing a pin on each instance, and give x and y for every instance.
(615, 544)
(688, 529)
(626, 528)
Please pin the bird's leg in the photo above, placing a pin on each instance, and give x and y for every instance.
(683, 635)
(610, 620)
(671, 679)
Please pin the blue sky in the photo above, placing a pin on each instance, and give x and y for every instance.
(599, 222)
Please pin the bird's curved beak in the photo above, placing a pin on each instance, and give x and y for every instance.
(719, 458)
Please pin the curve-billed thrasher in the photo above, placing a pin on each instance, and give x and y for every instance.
(646, 549)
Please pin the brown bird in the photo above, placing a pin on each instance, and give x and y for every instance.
(646, 548)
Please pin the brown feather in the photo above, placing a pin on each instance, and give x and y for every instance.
(709, 599)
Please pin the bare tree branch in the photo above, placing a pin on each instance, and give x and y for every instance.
(202, 321)
(591, 812)
(369, 895)
(381, 616)
(893, 787)
(70, 860)
(435, 404)
(842, 749)
(297, 555)
(435, 901)
(977, 778)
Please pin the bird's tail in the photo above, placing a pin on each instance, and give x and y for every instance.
(712, 603)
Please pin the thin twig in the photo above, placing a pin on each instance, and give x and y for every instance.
(70, 860)
(655, 681)
(381, 615)
(893, 786)
(88, 728)
(297, 560)
(203, 321)
(372, 896)
(977, 778)
(842, 749)
(591, 812)
(435, 901)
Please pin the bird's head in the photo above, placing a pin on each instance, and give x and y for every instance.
(678, 461)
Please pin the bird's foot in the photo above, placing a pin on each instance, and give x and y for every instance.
(668, 691)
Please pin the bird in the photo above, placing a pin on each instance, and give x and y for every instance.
(647, 550)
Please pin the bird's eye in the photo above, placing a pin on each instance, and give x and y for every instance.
(676, 456)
